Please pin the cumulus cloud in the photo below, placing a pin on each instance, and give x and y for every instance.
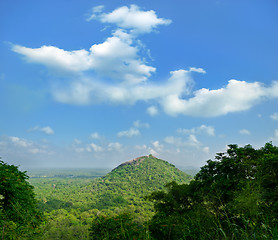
(132, 17)
(97, 148)
(94, 147)
(275, 137)
(152, 111)
(95, 135)
(76, 141)
(206, 150)
(21, 144)
(274, 116)
(47, 130)
(172, 95)
(115, 146)
(132, 132)
(103, 74)
(179, 142)
(244, 132)
(236, 96)
(198, 70)
(20, 141)
(88, 91)
(104, 59)
(139, 124)
(209, 130)
(157, 145)
(141, 147)
(56, 58)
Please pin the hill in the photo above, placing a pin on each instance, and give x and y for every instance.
(128, 184)
(142, 175)
(125, 187)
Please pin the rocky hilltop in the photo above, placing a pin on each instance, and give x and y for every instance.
(135, 161)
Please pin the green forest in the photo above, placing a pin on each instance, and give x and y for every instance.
(234, 196)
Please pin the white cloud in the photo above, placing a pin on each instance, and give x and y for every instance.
(207, 129)
(35, 150)
(129, 133)
(153, 152)
(76, 142)
(21, 144)
(95, 10)
(47, 130)
(56, 58)
(171, 95)
(106, 75)
(79, 150)
(244, 132)
(104, 58)
(141, 147)
(178, 142)
(192, 140)
(206, 149)
(236, 96)
(274, 116)
(20, 141)
(95, 135)
(95, 147)
(130, 18)
(198, 130)
(198, 70)
(157, 145)
(89, 91)
(115, 146)
(172, 140)
(275, 138)
(139, 124)
(152, 111)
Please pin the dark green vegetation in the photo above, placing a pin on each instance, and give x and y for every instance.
(72, 203)
(234, 196)
(19, 215)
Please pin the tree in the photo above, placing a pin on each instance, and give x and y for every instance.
(18, 207)
(234, 196)
(120, 226)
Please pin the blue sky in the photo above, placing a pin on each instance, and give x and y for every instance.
(96, 83)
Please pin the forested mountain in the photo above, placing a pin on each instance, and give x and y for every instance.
(72, 201)
(125, 186)
(129, 183)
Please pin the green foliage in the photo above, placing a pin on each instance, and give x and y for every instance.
(124, 187)
(19, 215)
(63, 224)
(233, 197)
(120, 227)
(71, 204)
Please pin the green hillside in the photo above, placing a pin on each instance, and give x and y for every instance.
(125, 187)
(130, 182)
(71, 204)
